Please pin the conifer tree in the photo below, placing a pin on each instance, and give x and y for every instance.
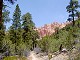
(72, 9)
(29, 35)
(15, 29)
(5, 18)
(1, 8)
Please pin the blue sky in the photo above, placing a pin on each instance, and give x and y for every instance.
(43, 11)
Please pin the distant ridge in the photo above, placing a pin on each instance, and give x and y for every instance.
(49, 29)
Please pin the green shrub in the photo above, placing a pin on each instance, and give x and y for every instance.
(10, 58)
(49, 44)
(15, 58)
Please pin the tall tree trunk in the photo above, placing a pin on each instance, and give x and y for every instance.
(60, 48)
(1, 6)
(73, 15)
(73, 18)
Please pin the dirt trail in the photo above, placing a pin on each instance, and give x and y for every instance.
(34, 56)
(60, 57)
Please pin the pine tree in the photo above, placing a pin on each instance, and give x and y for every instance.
(29, 35)
(15, 30)
(72, 9)
(16, 18)
(1, 8)
(5, 18)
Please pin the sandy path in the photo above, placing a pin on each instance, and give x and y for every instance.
(33, 56)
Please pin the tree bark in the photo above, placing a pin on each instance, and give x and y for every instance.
(60, 48)
(1, 5)
(73, 18)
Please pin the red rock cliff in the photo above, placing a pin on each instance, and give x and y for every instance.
(49, 29)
